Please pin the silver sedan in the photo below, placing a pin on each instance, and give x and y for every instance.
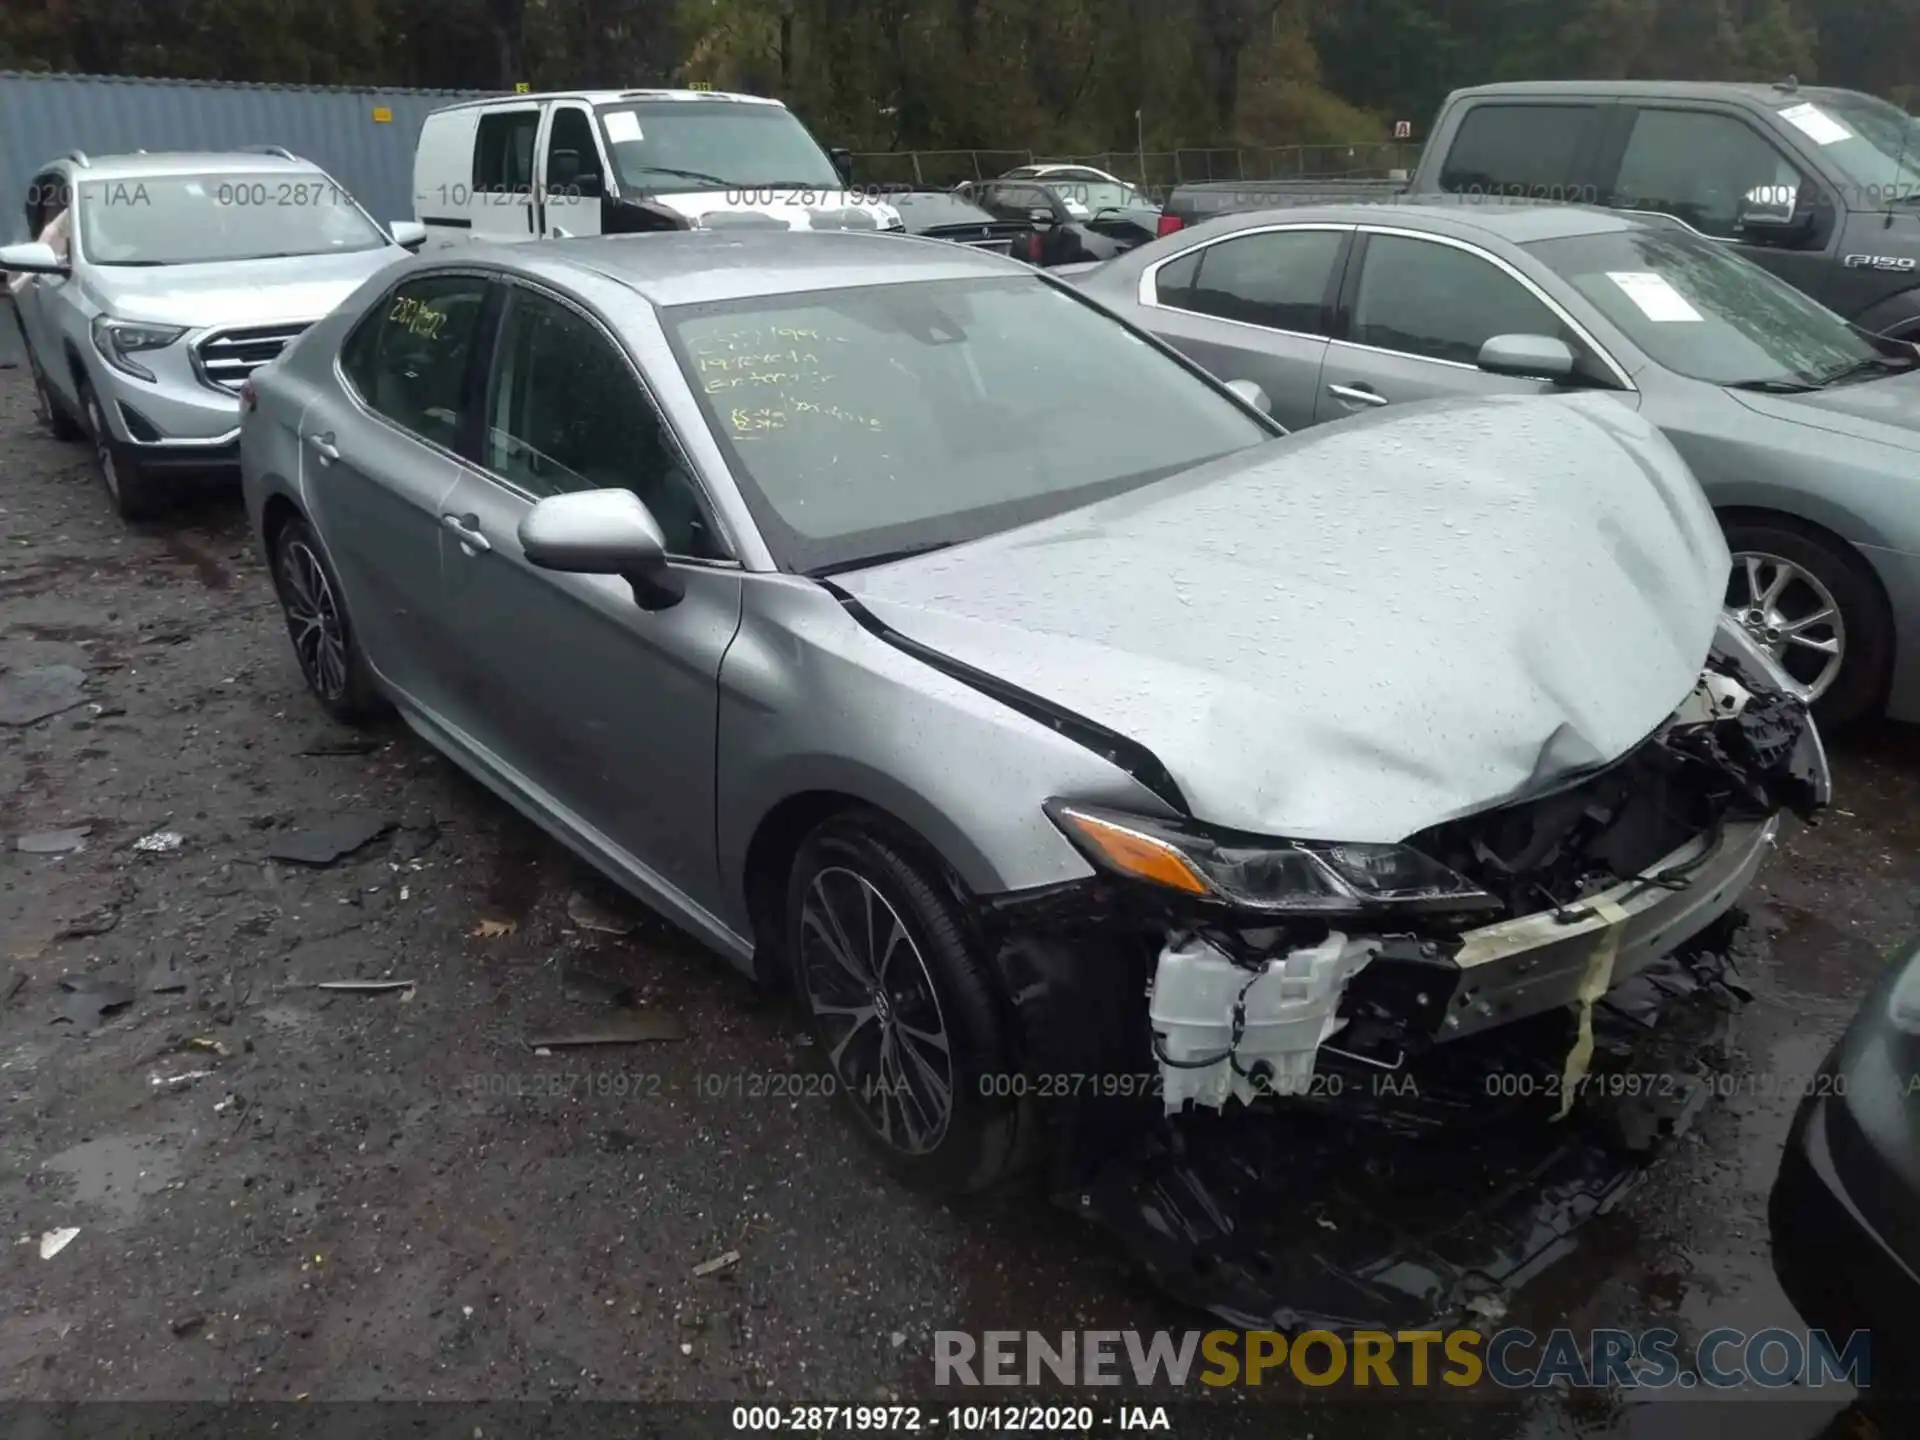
(1804, 432)
(922, 637)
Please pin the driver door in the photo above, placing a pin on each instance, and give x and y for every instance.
(1414, 322)
(573, 174)
(601, 712)
(48, 199)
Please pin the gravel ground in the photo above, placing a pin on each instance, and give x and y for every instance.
(285, 1192)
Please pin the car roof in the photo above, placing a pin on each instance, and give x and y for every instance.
(687, 267)
(1516, 221)
(155, 163)
(1775, 96)
(613, 97)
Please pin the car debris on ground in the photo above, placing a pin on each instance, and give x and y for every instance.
(330, 840)
(39, 692)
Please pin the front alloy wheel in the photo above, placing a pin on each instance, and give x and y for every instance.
(874, 1002)
(1791, 615)
(903, 1009)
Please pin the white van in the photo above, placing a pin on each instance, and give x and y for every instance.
(604, 162)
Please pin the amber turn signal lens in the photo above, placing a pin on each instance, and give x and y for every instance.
(1135, 854)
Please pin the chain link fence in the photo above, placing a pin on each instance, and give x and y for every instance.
(1155, 171)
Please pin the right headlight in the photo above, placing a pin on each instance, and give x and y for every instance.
(1277, 877)
(118, 340)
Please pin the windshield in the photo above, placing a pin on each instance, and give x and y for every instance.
(1095, 195)
(212, 219)
(1706, 313)
(676, 146)
(867, 421)
(1874, 144)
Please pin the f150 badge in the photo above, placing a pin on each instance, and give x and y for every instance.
(1878, 262)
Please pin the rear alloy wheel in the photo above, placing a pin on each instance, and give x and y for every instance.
(323, 640)
(135, 495)
(1815, 608)
(900, 1006)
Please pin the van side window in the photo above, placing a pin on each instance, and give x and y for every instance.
(1697, 165)
(408, 357)
(1527, 150)
(503, 151)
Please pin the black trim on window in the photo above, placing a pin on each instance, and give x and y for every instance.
(1340, 322)
(473, 385)
(1116, 749)
(449, 222)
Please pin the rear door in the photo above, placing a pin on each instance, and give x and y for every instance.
(1697, 162)
(573, 174)
(1533, 148)
(505, 203)
(1413, 315)
(1256, 305)
(378, 463)
(604, 712)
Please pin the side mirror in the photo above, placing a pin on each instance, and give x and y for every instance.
(32, 258)
(1773, 211)
(602, 532)
(1040, 215)
(563, 167)
(1529, 357)
(408, 234)
(842, 164)
(587, 186)
(1252, 394)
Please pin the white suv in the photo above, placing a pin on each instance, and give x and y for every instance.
(154, 285)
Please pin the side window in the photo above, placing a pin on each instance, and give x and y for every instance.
(1436, 301)
(1173, 282)
(408, 357)
(572, 154)
(503, 151)
(1279, 279)
(565, 413)
(1697, 165)
(1526, 150)
(1017, 202)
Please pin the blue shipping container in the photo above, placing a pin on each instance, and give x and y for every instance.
(363, 138)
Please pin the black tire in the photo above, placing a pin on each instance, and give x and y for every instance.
(135, 495)
(52, 414)
(324, 642)
(1858, 691)
(855, 858)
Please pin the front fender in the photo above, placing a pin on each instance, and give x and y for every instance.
(1896, 316)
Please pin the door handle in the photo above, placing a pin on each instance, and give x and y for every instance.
(1357, 394)
(467, 527)
(324, 448)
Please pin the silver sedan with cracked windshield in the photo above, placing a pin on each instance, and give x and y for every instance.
(890, 615)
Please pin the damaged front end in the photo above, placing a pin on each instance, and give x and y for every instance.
(1433, 1000)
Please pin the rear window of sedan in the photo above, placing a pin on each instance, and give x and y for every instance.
(864, 421)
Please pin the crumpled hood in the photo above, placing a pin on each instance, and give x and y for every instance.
(1364, 629)
(824, 210)
(237, 292)
(1886, 410)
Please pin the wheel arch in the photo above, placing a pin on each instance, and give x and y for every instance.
(1729, 515)
(775, 842)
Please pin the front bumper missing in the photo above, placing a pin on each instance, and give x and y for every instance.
(1416, 1199)
(1538, 962)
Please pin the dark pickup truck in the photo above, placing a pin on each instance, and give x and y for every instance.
(1820, 186)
